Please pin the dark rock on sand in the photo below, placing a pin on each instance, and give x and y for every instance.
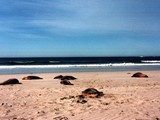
(10, 82)
(157, 118)
(139, 74)
(82, 101)
(66, 82)
(69, 97)
(92, 93)
(80, 97)
(31, 78)
(60, 118)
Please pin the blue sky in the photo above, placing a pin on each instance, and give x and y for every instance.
(50, 28)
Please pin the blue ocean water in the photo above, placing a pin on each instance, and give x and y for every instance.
(77, 64)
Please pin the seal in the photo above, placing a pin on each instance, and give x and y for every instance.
(68, 78)
(31, 78)
(10, 82)
(66, 82)
(139, 74)
(91, 93)
(58, 77)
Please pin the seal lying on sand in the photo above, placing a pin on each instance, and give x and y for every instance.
(139, 74)
(61, 77)
(58, 77)
(31, 78)
(68, 78)
(10, 82)
(91, 92)
(66, 82)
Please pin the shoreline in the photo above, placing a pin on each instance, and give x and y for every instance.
(124, 97)
(88, 71)
(74, 70)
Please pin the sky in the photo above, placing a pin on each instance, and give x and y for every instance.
(79, 28)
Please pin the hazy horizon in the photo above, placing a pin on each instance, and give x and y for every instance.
(81, 57)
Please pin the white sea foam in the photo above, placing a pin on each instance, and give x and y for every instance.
(151, 61)
(79, 65)
(21, 62)
(54, 61)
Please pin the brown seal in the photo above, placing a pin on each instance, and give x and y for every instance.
(10, 82)
(66, 77)
(31, 78)
(139, 74)
(66, 82)
(91, 92)
(58, 77)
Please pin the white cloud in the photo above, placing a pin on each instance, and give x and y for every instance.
(94, 16)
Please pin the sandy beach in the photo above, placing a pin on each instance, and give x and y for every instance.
(125, 98)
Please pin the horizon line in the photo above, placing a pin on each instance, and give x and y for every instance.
(76, 56)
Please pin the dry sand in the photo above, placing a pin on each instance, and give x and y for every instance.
(125, 98)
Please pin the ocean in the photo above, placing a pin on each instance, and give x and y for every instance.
(76, 64)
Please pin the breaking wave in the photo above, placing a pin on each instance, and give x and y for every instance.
(151, 61)
(80, 65)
